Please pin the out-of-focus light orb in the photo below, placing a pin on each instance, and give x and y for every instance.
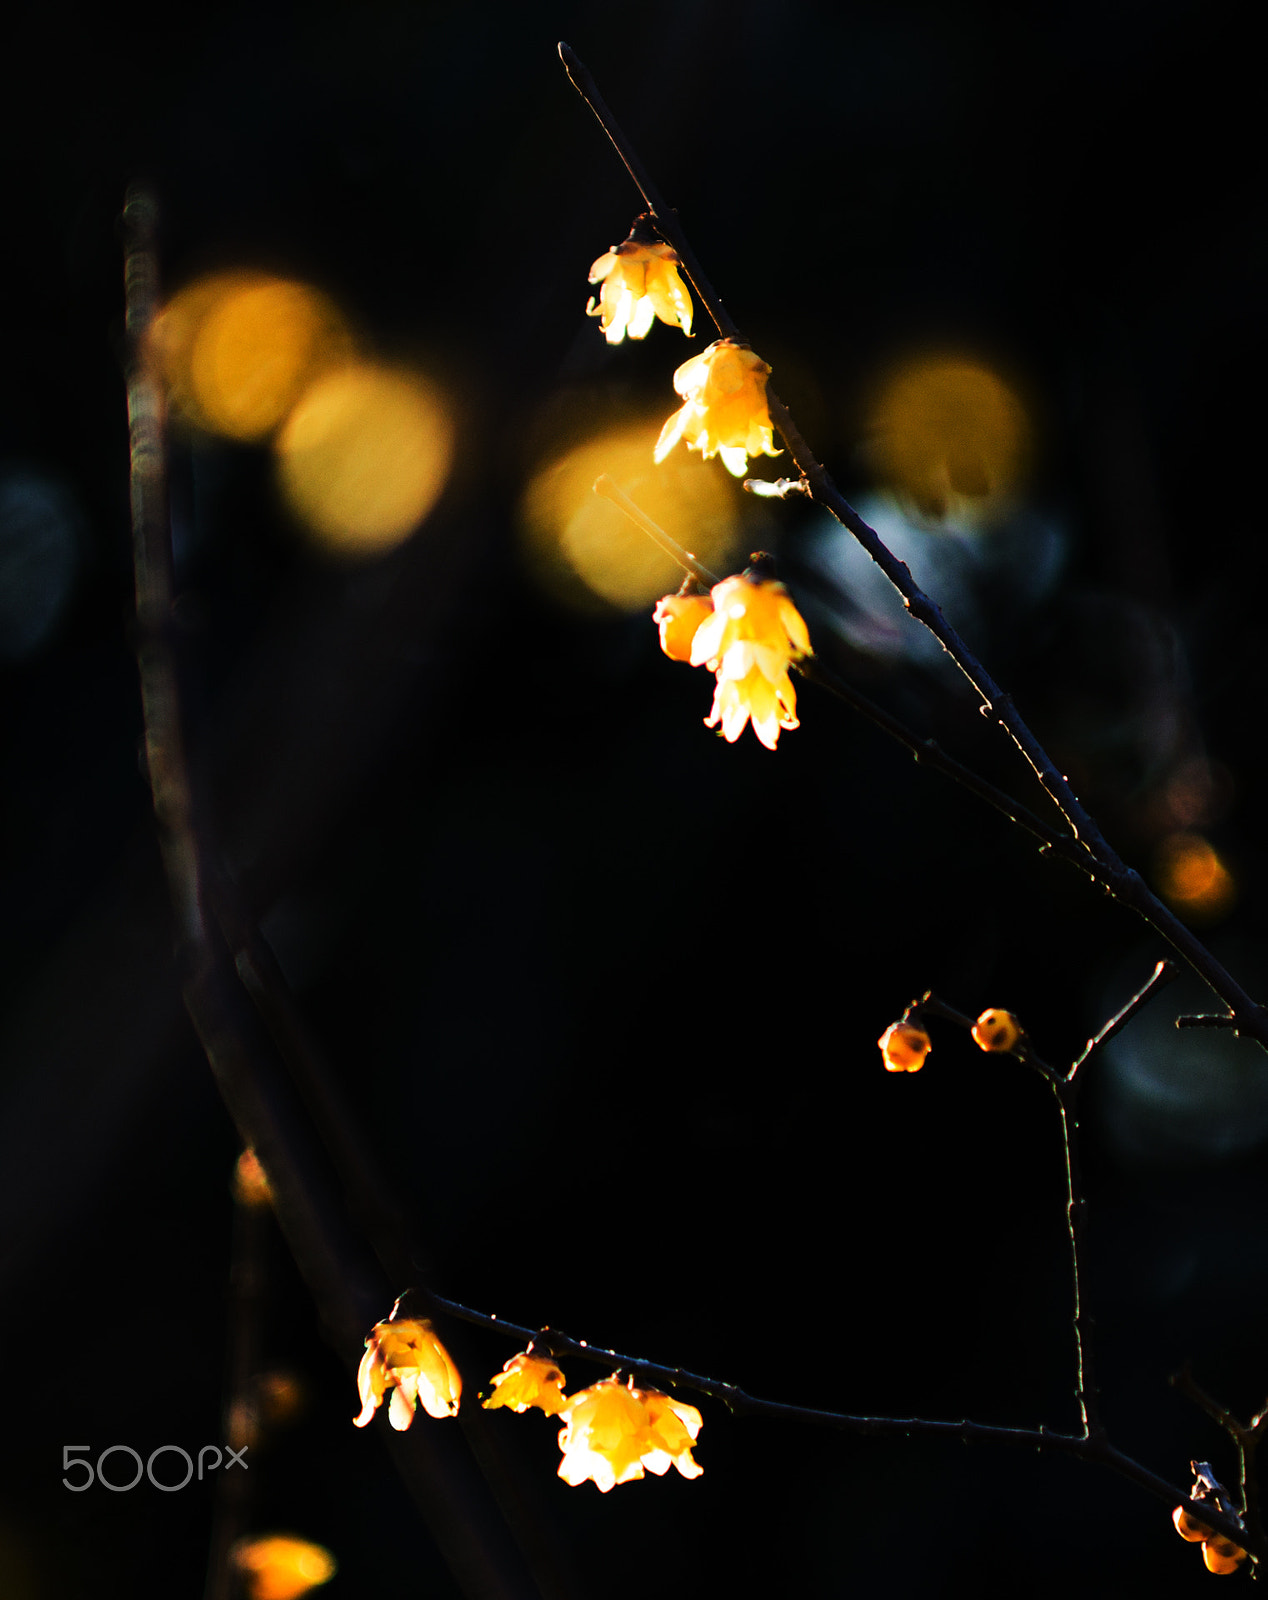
(281, 1567)
(1191, 877)
(583, 547)
(364, 456)
(239, 348)
(40, 537)
(950, 436)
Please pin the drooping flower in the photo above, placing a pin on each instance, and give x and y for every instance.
(528, 1380)
(679, 616)
(904, 1047)
(996, 1030)
(1218, 1552)
(753, 683)
(754, 633)
(725, 411)
(281, 1567)
(406, 1356)
(755, 609)
(640, 282)
(613, 1432)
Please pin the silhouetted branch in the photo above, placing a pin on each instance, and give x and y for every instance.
(1103, 863)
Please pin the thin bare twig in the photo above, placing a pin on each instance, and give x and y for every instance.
(1085, 1447)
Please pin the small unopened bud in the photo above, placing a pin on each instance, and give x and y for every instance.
(997, 1031)
(904, 1047)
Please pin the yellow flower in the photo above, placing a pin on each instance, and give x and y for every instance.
(1218, 1552)
(997, 1030)
(725, 414)
(753, 634)
(280, 1567)
(757, 610)
(640, 281)
(904, 1047)
(407, 1357)
(528, 1380)
(752, 682)
(679, 615)
(614, 1431)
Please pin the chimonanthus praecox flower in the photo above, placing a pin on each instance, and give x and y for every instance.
(725, 413)
(754, 633)
(678, 617)
(614, 1431)
(640, 281)
(406, 1356)
(528, 1380)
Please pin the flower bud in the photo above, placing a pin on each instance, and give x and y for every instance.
(904, 1047)
(997, 1031)
(679, 616)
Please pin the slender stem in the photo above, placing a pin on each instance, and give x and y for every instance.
(1164, 973)
(1092, 1447)
(607, 490)
(1104, 864)
(1085, 1393)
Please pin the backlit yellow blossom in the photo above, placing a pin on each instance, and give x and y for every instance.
(753, 682)
(614, 1432)
(280, 1567)
(725, 411)
(528, 1380)
(754, 633)
(640, 281)
(904, 1047)
(679, 615)
(1218, 1552)
(759, 610)
(407, 1357)
(996, 1030)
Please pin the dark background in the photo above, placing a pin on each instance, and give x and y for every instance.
(601, 990)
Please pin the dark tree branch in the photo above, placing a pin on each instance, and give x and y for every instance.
(1102, 862)
(345, 1285)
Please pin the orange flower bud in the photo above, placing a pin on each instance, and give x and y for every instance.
(997, 1031)
(1222, 1555)
(904, 1047)
(1219, 1553)
(1188, 1526)
(679, 616)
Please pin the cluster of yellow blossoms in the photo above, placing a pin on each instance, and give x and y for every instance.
(748, 632)
(723, 389)
(612, 1432)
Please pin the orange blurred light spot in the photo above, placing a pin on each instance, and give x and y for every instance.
(239, 348)
(364, 457)
(1192, 877)
(582, 546)
(950, 436)
(280, 1567)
